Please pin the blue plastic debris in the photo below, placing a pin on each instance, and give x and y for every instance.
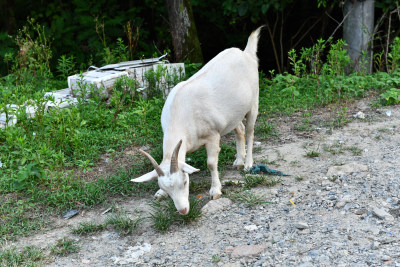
(70, 213)
(264, 169)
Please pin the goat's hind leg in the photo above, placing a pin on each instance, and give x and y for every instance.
(240, 146)
(213, 149)
(250, 122)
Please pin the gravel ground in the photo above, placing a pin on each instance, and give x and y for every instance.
(338, 209)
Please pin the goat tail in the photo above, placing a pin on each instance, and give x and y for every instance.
(252, 43)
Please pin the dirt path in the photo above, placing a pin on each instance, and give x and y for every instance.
(339, 208)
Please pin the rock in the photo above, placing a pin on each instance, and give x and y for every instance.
(85, 261)
(360, 115)
(256, 143)
(251, 227)
(346, 169)
(215, 205)
(305, 232)
(231, 264)
(340, 204)
(375, 245)
(386, 258)
(132, 254)
(301, 225)
(247, 250)
(381, 214)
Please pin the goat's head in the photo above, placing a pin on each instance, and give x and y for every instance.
(172, 179)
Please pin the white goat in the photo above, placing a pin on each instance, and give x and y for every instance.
(199, 111)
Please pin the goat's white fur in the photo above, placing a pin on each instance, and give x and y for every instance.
(200, 110)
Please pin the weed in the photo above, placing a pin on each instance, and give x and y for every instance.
(299, 178)
(305, 125)
(215, 258)
(391, 97)
(29, 256)
(19, 217)
(394, 55)
(87, 228)
(355, 150)
(267, 161)
(312, 154)
(122, 223)
(199, 186)
(334, 149)
(333, 178)
(248, 198)
(64, 247)
(66, 66)
(265, 129)
(251, 181)
(165, 214)
(341, 120)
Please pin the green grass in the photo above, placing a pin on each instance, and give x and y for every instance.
(249, 198)
(355, 150)
(199, 186)
(122, 223)
(312, 154)
(334, 149)
(87, 228)
(26, 216)
(251, 181)
(265, 129)
(19, 218)
(215, 258)
(28, 256)
(65, 247)
(165, 214)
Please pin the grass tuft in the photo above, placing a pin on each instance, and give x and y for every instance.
(122, 223)
(65, 247)
(87, 228)
(251, 181)
(312, 154)
(165, 213)
(29, 256)
(248, 198)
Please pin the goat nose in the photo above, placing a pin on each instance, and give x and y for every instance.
(183, 211)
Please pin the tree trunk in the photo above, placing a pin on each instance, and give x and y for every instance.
(357, 32)
(183, 30)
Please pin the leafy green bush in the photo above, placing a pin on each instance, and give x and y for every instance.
(391, 97)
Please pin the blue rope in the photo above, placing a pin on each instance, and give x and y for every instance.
(263, 168)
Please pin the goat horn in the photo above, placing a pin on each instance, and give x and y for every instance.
(174, 159)
(153, 162)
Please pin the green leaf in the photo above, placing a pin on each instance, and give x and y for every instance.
(242, 9)
(264, 8)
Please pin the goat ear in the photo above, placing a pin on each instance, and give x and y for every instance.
(146, 177)
(188, 169)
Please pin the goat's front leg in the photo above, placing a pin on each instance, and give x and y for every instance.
(213, 149)
(240, 146)
(160, 194)
(251, 120)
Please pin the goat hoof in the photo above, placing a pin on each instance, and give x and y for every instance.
(238, 164)
(160, 195)
(215, 193)
(248, 166)
(215, 197)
